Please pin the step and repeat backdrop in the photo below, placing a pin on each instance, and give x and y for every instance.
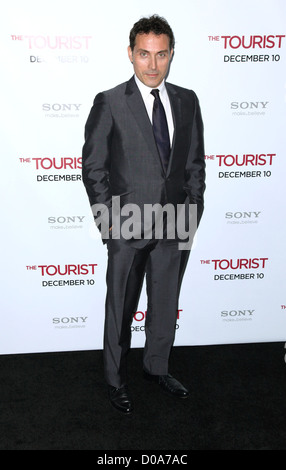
(56, 56)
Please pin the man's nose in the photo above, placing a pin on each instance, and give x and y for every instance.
(153, 62)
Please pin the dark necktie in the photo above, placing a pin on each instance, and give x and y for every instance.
(160, 129)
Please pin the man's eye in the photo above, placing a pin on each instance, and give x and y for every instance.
(143, 54)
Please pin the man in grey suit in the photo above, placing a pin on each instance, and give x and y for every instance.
(143, 149)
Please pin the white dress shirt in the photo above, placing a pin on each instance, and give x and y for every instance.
(149, 101)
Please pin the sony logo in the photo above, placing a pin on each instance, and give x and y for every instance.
(249, 104)
(237, 313)
(65, 320)
(60, 107)
(242, 215)
(66, 220)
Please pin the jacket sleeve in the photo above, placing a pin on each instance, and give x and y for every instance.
(96, 158)
(195, 168)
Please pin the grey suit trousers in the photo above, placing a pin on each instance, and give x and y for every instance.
(164, 266)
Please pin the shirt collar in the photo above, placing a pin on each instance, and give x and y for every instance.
(146, 90)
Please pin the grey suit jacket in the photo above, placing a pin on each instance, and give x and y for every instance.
(120, 156)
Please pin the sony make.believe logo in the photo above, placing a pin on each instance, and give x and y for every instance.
(70, 322)
(242, 217)
(65, 222)
(249, 108)
(237, 315)
(61, 109)
(249, 105)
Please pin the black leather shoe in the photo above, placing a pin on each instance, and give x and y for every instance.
(120, 399)
(168, 384)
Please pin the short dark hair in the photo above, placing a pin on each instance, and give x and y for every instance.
(154, 24)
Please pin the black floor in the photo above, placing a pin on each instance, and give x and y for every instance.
(58, 401)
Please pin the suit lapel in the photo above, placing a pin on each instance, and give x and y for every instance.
(137, 107)
(175, 102)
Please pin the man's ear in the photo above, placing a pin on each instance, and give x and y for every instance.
(130, 55)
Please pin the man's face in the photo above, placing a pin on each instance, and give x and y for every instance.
(151, 58)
